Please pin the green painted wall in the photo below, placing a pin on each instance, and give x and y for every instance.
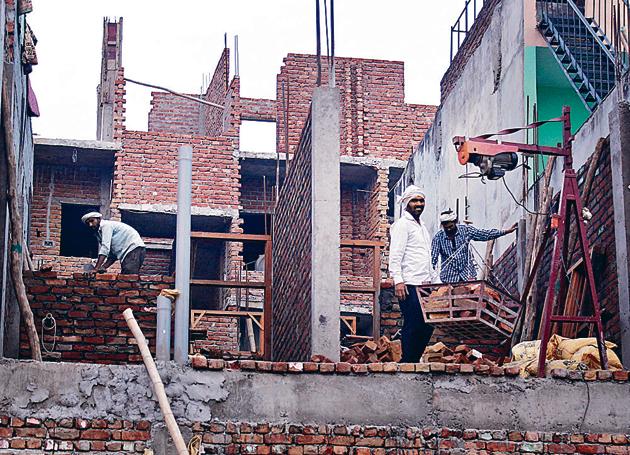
(548, 90)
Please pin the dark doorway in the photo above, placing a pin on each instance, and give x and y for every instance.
(76, 238)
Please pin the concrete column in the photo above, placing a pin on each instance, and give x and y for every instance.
(325, 222)
(619, 119)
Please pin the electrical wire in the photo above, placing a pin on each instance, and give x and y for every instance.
(520, 204)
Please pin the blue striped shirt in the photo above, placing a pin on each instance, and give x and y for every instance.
(458, 263)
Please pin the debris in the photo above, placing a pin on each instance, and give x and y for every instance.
(383, 350)
(461, 354)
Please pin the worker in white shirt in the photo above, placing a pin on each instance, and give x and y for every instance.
(410, 266)
(116, 241)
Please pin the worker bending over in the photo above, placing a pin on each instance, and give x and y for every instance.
(410, 266)
(116, 241)
(451, 246)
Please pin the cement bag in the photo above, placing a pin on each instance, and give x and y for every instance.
(522, 365)
(590, 356)
(531, 369)
(568, 347)
(526, 350)
(529, 349)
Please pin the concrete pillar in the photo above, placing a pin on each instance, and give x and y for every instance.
(619, 120)
(325, 222)
(111, 62)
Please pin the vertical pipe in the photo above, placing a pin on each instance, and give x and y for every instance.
(332, 44)
(182, 259)
(163, 331)
(319, 44)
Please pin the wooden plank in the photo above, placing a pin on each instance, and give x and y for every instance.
(250, 334)
(229, 284)
(225, 313)
(376, 283)
(358, 289)
(230, 236)
(361, 243)
(265, 336)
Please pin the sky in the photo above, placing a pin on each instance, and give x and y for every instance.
(173, 44)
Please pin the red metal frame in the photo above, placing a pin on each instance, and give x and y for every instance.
(570, 203)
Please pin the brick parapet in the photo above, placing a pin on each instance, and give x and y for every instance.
(434, 368)
(468, 47)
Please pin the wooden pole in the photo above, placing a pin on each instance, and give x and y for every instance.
(17, 227)
(156, 382)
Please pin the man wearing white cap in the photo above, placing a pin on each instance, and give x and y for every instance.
(451, 245)
(410, 266)
(116, 241)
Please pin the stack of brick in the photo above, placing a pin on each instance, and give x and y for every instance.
(88, 314)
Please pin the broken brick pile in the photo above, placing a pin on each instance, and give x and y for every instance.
(232, 437)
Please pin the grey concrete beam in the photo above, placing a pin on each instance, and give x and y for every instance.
(172, 209)
(77, 143)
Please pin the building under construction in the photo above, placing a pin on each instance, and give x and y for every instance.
(285, 261)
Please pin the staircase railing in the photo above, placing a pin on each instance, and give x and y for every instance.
(464, 22)
(610, 18)
(587, 54)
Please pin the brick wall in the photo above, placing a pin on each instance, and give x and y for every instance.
(292, 233)
(213, 118)
(467, 49)
(258, 109)
(253, 197)
(375, 120)
(601, 236)
(119, 105)
(146, 170)
(235, 437)
(173, 114)
(218, 333)
(88, 314)
(73, 435)
(56, 184)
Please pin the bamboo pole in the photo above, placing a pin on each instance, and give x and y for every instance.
(17, 227)
(156, 382)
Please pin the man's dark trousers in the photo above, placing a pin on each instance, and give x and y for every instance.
(415, 332)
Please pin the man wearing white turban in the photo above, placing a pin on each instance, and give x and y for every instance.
(410, 266)
(451, 245)
(116, 241)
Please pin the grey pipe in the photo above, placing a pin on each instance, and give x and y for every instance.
(182, 259)
(163, 331)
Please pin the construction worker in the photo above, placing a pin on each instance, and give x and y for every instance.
(116, 241)
(451, 246)
(410, 266)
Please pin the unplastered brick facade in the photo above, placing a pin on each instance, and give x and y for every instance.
(146, 170)
(292, 263)
(88, 322)
(236, 437)
(376, 123)
(53, 186)
(375, 119)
